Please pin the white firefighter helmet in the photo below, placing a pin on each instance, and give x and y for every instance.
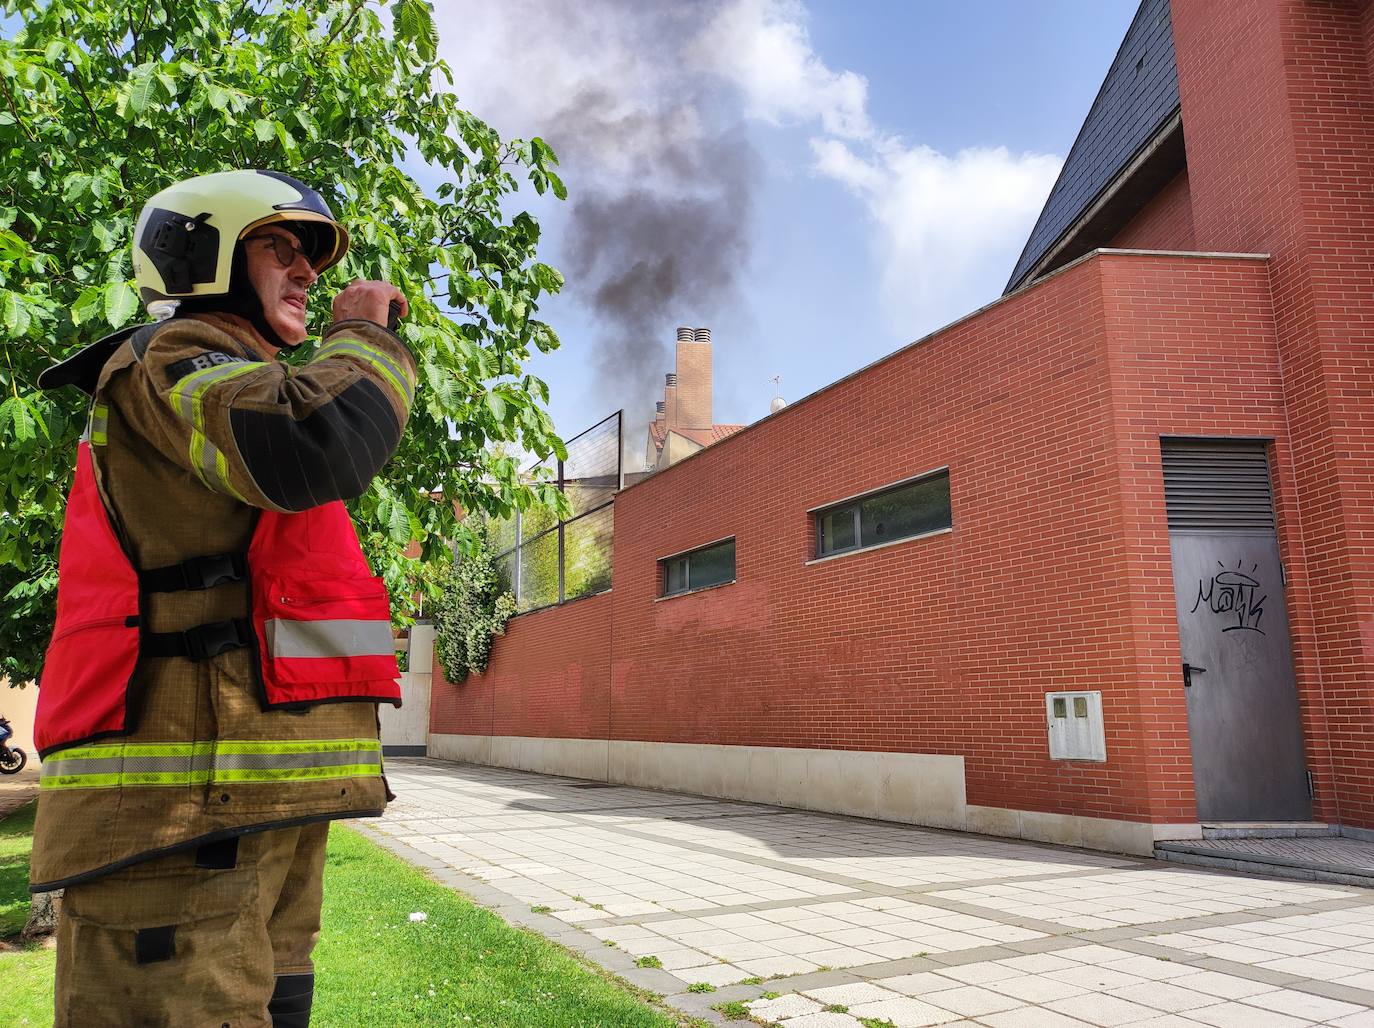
(185, 239)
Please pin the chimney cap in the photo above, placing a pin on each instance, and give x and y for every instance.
(703, 335)
(684, 334)
(661, 407)
(670, 378)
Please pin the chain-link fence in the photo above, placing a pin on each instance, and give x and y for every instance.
(545, 561)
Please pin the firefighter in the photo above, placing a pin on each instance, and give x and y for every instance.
(208, 702)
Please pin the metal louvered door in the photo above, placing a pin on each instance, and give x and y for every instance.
(1237, 673)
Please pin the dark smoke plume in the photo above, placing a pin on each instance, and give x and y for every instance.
(646, 262)
(662, 245)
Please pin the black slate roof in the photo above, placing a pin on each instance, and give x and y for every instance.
(1139, 94)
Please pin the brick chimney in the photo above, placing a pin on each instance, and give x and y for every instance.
(669, 417)
(693, 379)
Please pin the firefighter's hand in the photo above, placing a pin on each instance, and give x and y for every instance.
(369, 301)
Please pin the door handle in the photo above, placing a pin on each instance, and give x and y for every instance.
(1189, 670)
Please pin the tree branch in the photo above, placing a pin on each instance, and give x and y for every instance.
(95, 119)
(233, 28)
(9, 99)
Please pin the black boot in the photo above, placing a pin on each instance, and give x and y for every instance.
(290, 1003)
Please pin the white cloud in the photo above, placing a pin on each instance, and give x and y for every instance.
(946, 229)
(763, 47)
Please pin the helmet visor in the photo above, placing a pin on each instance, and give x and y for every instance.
(323, 241)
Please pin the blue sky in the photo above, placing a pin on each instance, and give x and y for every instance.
(842, 177)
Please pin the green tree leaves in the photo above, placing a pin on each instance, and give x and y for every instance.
(415, 24)
(121, 302)
(103, 103)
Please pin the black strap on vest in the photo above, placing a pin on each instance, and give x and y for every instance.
(196, 573)
(201, 642)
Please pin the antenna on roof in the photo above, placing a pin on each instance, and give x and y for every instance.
(778, 402)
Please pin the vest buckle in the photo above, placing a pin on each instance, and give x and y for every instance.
(196, 573)
(210, 640)
(216, 569)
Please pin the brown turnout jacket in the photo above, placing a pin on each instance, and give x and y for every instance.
(181, 476)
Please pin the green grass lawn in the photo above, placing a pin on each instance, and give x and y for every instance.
(462, 966)
(16, 839)
(26, 997)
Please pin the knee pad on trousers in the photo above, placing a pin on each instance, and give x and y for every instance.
(291, 999)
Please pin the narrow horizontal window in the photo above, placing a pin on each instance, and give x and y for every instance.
(885, 516)
(710, 565)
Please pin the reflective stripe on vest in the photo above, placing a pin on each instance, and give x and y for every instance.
(348, 637)
(109, 766)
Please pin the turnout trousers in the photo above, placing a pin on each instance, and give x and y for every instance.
(214, 937)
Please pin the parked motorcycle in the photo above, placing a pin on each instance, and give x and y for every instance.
(12, 758)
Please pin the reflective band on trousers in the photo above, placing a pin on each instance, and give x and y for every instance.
(338, 638)
(115, 765)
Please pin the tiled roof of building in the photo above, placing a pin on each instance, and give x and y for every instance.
(703, 436)
(1138, 96)
(707, 436)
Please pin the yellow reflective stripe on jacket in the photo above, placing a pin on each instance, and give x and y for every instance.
(98, 427)
(398, 377)
(99, 751)
(187, 398)
(110, 766)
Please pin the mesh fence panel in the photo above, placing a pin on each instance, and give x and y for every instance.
(587, 554)
(591, 474)
(538, 572)
(505, 571)
(503, 535)
(527, 546)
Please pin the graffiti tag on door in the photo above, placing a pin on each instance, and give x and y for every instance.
(1234, 593)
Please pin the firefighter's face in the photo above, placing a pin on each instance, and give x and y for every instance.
(282, 275)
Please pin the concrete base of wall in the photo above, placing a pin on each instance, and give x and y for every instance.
(912, 788)
(1093, 833)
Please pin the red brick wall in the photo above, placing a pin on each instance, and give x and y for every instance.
(1193, 353)
(1281, 159)
(548, 677)
(1165, 223)
(1045, 408)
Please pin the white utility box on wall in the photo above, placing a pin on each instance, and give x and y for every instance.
(1075, 726)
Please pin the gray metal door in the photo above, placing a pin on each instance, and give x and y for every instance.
(1237, 673)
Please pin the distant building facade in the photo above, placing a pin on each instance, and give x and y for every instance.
(1093, 565)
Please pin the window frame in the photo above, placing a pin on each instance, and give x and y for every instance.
(856, 501)
(665, 561)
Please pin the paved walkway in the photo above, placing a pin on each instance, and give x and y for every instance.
(850, 923)
(16, 790)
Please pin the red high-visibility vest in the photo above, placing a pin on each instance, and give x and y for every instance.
(320, 621)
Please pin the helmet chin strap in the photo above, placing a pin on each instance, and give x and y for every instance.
(242, 299)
